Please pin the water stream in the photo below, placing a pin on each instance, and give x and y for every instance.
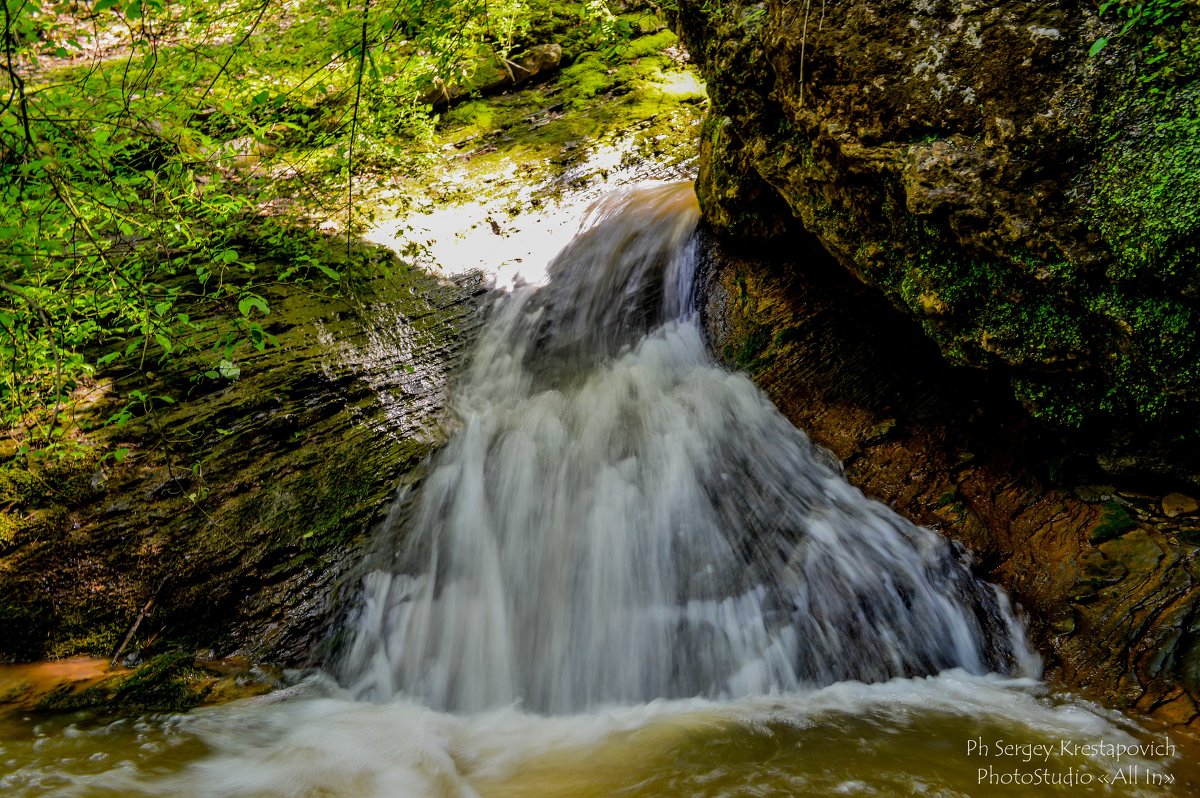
(628, 574)
(620, 519)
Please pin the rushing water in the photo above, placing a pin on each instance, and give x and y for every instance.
(620, 519)
(627, 574)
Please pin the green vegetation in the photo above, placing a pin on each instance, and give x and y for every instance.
(172, 386)
(163, 165)
(1146, 17)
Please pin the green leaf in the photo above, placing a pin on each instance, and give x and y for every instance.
(328, 272)
(252, 301)
(228, 370)
(104, 5)
(164, 342)
(119, 454)
(1097, 46)
(134, 10)
(260, 98)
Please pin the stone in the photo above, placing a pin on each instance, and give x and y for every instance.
(1177, 504)
(494, 74)
(1017, 198)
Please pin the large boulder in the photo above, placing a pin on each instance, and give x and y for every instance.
(1109, 578)
(1031, 196)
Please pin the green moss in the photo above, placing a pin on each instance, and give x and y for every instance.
(83, 633)
(1147, 186)
(473, 117)
(330, 505)
(587, 77)
(653, 44)
(993, 313)
(10, 525)
(1114, 521)
(1145, 203)
(750, 355)
(167, 682)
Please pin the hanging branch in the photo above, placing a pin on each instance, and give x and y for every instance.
(358, 81)
(18, 83)
(234, 50)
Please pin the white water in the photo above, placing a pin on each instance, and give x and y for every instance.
(620, 519)
(628, 575)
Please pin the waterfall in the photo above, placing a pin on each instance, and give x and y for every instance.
(621, 519)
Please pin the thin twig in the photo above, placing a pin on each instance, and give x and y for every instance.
(137, 622)
(362, 58)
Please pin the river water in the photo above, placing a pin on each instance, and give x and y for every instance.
(627, 574)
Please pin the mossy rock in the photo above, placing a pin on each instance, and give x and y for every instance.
(1032, 207)
(236, 532)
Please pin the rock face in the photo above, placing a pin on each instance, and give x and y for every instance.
(240, 511)
(1111, 581)
(1037, 209)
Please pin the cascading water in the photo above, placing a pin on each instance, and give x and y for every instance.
(620, 519)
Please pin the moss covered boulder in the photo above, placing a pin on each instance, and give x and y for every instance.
(227, 518)
(1019, 177)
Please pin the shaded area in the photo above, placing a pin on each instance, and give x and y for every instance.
(1109, 579)
(236, 509)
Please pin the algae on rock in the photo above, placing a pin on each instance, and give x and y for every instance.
(1033, 207)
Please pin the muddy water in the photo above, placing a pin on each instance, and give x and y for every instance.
(950, 735)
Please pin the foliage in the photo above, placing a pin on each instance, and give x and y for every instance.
(158, 161)
(1148, 17)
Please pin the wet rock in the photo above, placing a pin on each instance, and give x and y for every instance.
(1107, 595)
(248, 551)
(1016, 197)
(1095, 493)
(1176, 504)
(227, 666)
(1114, 521)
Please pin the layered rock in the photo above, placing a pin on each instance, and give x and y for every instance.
(1033, 206)
(236, 518)
(1109, 578)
